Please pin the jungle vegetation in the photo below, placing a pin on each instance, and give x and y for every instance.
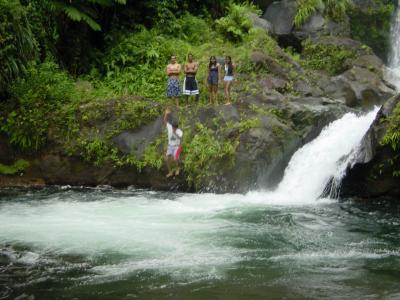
(61, 62)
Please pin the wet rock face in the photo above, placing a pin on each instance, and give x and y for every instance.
(136, 141)
(261, 23)
(372, 176)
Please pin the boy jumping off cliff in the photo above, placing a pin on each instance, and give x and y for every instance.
(174, 143)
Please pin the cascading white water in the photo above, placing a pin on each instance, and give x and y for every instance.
(393, 74)
(326, 157)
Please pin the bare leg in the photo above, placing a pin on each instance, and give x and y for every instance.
(168, 162)
(227, 92)
(177, 168)
(215, 94)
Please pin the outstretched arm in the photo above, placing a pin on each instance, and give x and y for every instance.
(166, 113)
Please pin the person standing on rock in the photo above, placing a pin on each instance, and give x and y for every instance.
(174, 143)
(173, 85)
(212, 80)
(190, 86)
(228, 78)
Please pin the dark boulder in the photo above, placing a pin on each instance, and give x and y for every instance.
(281, 15)
(136, 141)
(260, 22)
(372, 174)
(263, 4)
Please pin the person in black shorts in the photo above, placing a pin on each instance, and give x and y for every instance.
(190, 86)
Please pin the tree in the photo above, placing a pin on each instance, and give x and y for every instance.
(17, 43)
(83, 11)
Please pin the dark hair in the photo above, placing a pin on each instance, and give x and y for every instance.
(230, 66)
(210, 64)
(174, 123)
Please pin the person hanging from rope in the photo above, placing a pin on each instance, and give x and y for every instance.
(174, 143)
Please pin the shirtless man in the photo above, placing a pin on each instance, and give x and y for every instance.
(190, 84)
(173, 84)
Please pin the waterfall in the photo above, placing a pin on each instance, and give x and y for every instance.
(322, 161)
(394, 56)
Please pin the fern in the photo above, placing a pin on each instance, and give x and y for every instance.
(335, 9)
(82, 11)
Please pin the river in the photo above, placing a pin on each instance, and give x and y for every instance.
(294, 242)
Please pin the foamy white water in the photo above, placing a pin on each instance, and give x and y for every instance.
(326, 157)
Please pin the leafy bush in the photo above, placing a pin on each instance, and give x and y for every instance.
(371, 25)
(392, 136)
(204, 156)
(236, 24)
(330, 58)
(18, 166)
(133, 114)
(335, 9)
(40, 95)
(193, 29)
(17, 43)
(136, 63)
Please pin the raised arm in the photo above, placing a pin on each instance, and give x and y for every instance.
(166, 113)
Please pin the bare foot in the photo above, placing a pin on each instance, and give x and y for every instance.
(169, 174)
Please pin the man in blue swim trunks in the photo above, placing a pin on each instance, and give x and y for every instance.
(173, 85)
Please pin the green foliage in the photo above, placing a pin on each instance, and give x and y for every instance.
(82, 11)
(245, 125)
(153, 156)
(100, 150)
(392, 139)
(43, 24)
(371, 25)
(40, 96)
(236, 24)
(330, 58)
(134, 113)
(392, 136)
(204, 156)
(136, 63)
(17, 43)
(189, 28)
(17, 167)
(96, 150)
(335, 9)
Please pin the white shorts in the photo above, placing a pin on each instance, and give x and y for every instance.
(171, 150)
(228, 78)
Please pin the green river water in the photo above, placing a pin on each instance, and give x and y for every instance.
(81, 243)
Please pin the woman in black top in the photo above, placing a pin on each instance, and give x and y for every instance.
(212, 80)
(228, 78)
